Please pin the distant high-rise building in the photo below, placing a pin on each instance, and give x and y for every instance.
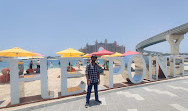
(113, 47)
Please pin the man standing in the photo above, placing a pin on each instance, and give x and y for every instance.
(31, 64)
(38, 64)
(93, 79)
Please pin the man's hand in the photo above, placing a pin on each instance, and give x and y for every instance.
(99, 82)
(88, 83)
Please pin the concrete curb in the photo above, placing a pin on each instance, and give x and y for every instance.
(70, 99)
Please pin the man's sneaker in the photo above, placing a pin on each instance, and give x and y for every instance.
(86, 105)
(98, 101)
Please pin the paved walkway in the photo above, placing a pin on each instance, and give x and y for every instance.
(168, 96)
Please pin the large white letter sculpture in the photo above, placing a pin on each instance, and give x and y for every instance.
(15, 80)
(111, 69)
(173, 64)
(64, 75)
(184, 65)
(137, 78)
(162, 62)
(125, 62)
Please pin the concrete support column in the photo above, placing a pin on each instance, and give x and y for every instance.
(174, 41)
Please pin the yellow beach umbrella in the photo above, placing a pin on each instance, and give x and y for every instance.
(16, 52)
(68, 55)
(70, 52)
(116, 54)
(113, 55)
(105, 56)
(34, 57)
(38, 56)
(86, 55)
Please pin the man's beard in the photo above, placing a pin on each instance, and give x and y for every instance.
(93, 60)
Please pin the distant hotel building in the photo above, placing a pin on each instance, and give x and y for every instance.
(113, 47)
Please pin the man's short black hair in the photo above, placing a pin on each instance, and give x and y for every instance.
(93, 56)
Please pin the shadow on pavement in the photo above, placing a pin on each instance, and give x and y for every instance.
(93, 103)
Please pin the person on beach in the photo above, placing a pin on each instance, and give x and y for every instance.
(69, 63)
(88, 61)
(38, 64)
(79, 64)
(6, 73)
(31, 64)
(93, 79)
(59, 63)
(51, 64)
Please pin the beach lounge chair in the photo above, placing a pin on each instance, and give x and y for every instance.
(30, 71)
(2, 78)
(5, 77)
(33, 71)
(72, 72)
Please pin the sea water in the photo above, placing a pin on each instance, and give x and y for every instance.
(54, 62)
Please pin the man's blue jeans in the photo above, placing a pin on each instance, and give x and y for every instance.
(89, 91)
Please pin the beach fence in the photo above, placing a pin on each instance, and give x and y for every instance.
(133, 69)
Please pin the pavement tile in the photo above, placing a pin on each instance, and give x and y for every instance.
(103, 108)
(112, 107)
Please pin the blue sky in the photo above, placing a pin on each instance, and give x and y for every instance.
(48, 26)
